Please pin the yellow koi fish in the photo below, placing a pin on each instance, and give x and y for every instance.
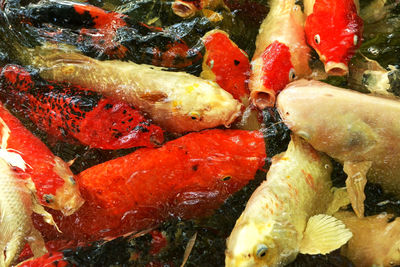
(281, 53)
(375, 241)
(177, 101)
(287, 213)
(361, 131)
(16, 226)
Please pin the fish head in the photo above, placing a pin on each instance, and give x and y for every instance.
(251, 244)
(334, 30)
(276, 72)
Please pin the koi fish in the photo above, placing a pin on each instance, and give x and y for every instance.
(96, 26)
(177, 101)
(54, 183)
(16, 226)
(180, 179)
(289, 212)
(334, 29)
(281, 53)
(51, 259)
(361, 131)
(375, 241)
(188, 8)
(74, 112)
(228, 65)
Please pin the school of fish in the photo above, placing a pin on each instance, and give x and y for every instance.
(182, 167)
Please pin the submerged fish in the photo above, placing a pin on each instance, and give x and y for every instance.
(51, 259)
(74, 112)
(281, 52)
(53, 181)
(287, 213)
(180, 179)
(334, 29)
(375, 241)
(177, 101)
(188, 8)
(361, 131)
(228, 65)
(16, 226)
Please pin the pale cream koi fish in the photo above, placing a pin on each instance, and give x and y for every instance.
(361, 131)
(284, 25)
(375, 241)
(177, 101)
(16, 226)
(289, 213)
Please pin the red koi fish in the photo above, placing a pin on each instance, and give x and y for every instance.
(226, 64)
(180, 179)
(54, 182)
(281, 53)
(51, 259)
(73, 112)
(334, 29)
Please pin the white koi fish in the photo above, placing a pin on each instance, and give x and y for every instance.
(288, 213)
(361, 131)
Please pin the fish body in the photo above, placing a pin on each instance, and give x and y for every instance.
(77, 113)
(284, 215)
(177, 101)
(375, 241)
(16, 226)
(361, 131)
(281, 52)
(51, 259)
(334, 29)
(151, 185)
(54, 183)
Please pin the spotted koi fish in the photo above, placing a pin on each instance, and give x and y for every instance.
(179, 179)
(334, 29)
(228, 65)
(76, 113)
(108, 35)
(281, 53)
(54, 183)
(290, 212)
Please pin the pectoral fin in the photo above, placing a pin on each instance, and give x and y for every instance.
(324, 234)
(47, 217)
(340, 199)
(355, 183)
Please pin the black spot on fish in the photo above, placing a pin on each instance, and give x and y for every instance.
(236, 62)
(195, 167)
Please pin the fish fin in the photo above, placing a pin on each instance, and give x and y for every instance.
(355, 183)
(36, 243)
(324, 234)
(47, 217)
(14, 247)
(212, 15)
(340, 199)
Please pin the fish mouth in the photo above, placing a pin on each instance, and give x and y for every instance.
(182, 9)
(263, 98)
(336, 68)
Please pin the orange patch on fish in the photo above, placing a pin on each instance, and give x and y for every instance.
(309, 179)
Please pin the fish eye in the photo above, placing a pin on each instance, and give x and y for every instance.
(355, 39)
(292, 74)
(194, 115)
(261, 251)
(317, 39)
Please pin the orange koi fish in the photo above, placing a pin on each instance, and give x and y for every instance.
(54, 183)
(180, 179)
(281, 53)
(334, 29)
(51, 259)
(72, 112)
